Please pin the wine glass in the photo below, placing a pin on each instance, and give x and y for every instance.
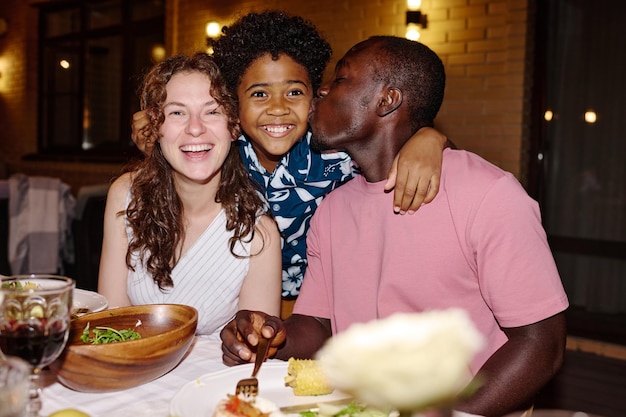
(34, 323)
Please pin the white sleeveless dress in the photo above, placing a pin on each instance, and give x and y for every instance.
(207, 277)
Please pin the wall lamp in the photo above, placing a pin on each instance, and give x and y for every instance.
(213, 30)
(415, 20)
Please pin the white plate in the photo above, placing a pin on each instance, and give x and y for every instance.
(200, 397)
(90, 300)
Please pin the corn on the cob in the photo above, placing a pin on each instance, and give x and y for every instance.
(306, 378)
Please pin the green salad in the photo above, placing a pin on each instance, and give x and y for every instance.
(102, 335)
(351, 410)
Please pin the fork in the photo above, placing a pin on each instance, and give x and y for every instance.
(250, 386)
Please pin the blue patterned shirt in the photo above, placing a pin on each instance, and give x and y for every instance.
(293, 191)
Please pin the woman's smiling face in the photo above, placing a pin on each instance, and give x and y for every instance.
(195, 138)
(274, 103)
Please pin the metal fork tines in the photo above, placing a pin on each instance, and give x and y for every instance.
(250, 386)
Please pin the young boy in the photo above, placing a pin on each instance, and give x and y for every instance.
(274, 63)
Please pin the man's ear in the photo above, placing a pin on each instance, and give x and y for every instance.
(391, 100)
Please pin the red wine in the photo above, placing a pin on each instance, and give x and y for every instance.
(31, 342)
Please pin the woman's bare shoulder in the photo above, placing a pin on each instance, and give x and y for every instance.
(118, 191)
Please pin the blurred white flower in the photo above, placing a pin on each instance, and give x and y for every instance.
(406, 362)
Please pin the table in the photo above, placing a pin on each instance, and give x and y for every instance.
(150, 399)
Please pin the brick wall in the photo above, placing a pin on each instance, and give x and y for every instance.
(482, 43)
(17, 103)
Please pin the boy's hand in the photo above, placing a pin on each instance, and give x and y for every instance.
(141, 132)
(416, 171)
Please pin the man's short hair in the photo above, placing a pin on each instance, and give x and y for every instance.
(416, 70)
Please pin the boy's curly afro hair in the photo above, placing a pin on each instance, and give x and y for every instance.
(274, 32)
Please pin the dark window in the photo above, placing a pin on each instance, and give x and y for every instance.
(93, 54)
(578, 156)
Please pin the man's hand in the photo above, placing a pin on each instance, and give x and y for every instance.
(241, 336)
(141, 133)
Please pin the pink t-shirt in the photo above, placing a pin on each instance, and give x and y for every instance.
(479, 246)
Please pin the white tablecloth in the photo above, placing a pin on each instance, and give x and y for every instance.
(151, 399)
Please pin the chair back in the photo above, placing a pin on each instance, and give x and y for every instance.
(87, 229)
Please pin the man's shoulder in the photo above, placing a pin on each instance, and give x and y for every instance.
(470, 181)
(466, 177)
(468, 167)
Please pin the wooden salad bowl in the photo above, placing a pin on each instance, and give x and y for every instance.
(166, 330)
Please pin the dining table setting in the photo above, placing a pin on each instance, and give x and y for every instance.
(39, 317)
(191, 389)
(162, 368)
(150, 399)
(66, 353)
(157, 366)
(166, 371)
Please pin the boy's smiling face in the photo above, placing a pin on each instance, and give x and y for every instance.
(274, 103)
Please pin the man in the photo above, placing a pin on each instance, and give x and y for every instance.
(479, 245)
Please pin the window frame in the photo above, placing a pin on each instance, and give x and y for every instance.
(128, 32)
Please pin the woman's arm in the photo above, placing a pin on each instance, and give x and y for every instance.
(262, 286)
(415, 174)
(113, 270)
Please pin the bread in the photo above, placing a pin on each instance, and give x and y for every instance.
(306, 378)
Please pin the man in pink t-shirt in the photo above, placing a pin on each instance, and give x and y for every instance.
(479, 245)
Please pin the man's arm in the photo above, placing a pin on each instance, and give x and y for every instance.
(520, 368)
(299, 336)
(305, 336)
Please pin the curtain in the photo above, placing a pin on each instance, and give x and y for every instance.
(586, 162)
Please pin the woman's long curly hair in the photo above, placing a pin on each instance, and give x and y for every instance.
(155, 212)
(277, 33)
